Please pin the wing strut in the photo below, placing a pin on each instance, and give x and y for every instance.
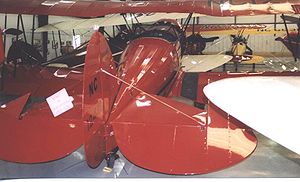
(289, 37)
(188, 19)
(127, 24)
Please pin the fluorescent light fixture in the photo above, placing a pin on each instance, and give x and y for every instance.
(194, 62)
(66, 2)
(225, 6)
(96, 27)
(49, 3)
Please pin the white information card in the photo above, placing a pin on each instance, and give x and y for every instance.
(60, 102)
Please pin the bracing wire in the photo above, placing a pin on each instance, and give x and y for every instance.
(154, 98)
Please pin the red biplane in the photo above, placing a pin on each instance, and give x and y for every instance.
(127, 107)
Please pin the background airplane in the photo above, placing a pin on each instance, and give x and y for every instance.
(291, 39)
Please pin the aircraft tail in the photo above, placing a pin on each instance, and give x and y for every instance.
(2, 53)
(99, 91)
(153, 134)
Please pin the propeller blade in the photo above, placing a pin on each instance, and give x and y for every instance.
(12, 31)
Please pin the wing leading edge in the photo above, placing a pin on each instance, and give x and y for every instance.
(203, 63)
(111, 20)
(271, 109)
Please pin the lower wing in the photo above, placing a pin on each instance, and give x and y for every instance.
(266, 104)
(203, 63)
(167, 136)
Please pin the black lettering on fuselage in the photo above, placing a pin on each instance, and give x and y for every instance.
(93, 87)
(91, 121)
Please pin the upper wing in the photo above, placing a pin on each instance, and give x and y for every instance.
(110, 20)
(272, 108)
(203, 63)
(83, 8)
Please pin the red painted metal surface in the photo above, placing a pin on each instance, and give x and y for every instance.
(41, 82)
(82, 8)
(163, 135)
(152, 131)
(99, 91)
(296, 8)
(169, 138)
(34, 135)
(38, 136)
(147, 64)
(175, 90)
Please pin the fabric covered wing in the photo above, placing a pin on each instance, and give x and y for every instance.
(37, 136)
(203, 63)
(83, 8)
(111, 20)
(167, 136)
(267, 104)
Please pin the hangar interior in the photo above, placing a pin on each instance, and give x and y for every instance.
(261, 41)
(268, 160)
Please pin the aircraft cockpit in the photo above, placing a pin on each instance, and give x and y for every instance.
(166, 29)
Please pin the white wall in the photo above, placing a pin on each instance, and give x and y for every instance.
(12, 23)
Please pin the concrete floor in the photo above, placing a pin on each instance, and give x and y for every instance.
(268, 160)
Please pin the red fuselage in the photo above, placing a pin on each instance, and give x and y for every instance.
(149, 64)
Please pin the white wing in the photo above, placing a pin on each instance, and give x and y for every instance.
(110, 20)
(203, 63)
(49, 27)
(270, 105)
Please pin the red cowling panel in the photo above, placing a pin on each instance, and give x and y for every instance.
(153, 134)
(38, 136)
(147, 64)
(1, 48)
(82, 8)
(99, 90)
(296, 8)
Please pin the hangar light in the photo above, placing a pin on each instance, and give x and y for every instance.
(225, 6)
(49, 3)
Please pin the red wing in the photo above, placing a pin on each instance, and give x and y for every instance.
(38, 136)
(162, 138)
(100, 8)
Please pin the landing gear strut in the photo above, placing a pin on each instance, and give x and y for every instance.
(110, 160)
